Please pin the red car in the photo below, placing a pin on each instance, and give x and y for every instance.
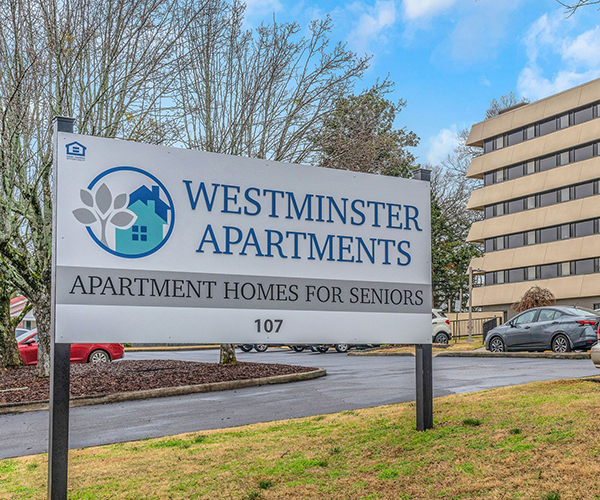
(80, 353)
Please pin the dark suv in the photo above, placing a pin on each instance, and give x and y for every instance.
(560, 329)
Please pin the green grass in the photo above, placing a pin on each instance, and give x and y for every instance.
(536, 441)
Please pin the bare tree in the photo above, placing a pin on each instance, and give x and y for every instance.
(451, 221)
(262, 93)
(502, 103)
(259, 93)
(110, 63)
(572, 7)
(534, 297)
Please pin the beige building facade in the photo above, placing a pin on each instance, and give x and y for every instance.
(541, 200)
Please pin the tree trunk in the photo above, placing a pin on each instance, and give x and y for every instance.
(42, 310)
(228, 354)
(9, 349)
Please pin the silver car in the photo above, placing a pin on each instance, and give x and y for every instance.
(561, 329)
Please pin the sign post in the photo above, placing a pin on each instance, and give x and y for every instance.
(424, 360)
(60, 369)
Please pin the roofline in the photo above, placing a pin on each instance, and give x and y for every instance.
(515, 108)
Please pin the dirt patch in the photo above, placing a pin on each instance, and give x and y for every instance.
(21, 385)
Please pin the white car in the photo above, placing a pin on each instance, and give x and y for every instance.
(441, 333)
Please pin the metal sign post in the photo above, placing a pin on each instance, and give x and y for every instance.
(424, 359)
(60, 372)
(424, 399)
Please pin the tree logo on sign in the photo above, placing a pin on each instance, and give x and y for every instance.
(127, 212)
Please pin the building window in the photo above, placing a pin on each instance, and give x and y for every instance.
(563, 121)
(547, 163)
(548, 198)
(530, 238)
(584, 266)
(529, 202)
(565, 268)
(583, 115)
(563, 158)
(547, 127)
(564, 232)
(548, 271)
(585, 228)
(583, 153)
(530, 167)
(564, 195)
(139, 233)
(548, 235)
(515, 206)
(530, 273)
(499, 279)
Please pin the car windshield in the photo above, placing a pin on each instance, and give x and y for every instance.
(581, 311)
(24, 335)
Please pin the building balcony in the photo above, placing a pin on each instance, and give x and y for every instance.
(561, 213)
(534, 112)
(556, 178)
(534, 148)
(567, 287)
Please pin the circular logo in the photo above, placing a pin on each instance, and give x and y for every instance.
(127, 211)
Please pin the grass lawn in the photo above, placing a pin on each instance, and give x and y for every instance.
(535, 441)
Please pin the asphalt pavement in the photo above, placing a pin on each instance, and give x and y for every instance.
(351, 383)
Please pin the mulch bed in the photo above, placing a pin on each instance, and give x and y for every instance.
(21, 385)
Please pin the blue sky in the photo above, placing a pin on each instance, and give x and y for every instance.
(449, 58)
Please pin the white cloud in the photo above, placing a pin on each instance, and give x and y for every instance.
(478, 35)
(372, 24)
(568, 60)
(414, 9)
(584, 49)
(441, 145)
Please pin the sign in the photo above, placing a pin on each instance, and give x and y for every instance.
(157, 244)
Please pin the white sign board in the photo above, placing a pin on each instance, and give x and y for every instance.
(157, 244)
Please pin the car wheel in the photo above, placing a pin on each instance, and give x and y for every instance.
(322, 348)
(497, 345)
(246, 347)
(297, 348)
(560, 343)
(99, 357)
(341, 347)
(441, 338)
(261, 347)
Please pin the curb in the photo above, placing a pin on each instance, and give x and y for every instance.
(542, 355)
(202, 347)
(486, 354)
(381, 353)
(165, 392)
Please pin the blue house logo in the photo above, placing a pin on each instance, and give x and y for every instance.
(75, 149)
(147, 232)
(127, 211)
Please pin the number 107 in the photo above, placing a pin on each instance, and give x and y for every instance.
(268, 325)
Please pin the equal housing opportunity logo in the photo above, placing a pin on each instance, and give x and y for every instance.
(127, 212)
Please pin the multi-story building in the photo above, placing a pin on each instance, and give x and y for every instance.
(541, 200)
